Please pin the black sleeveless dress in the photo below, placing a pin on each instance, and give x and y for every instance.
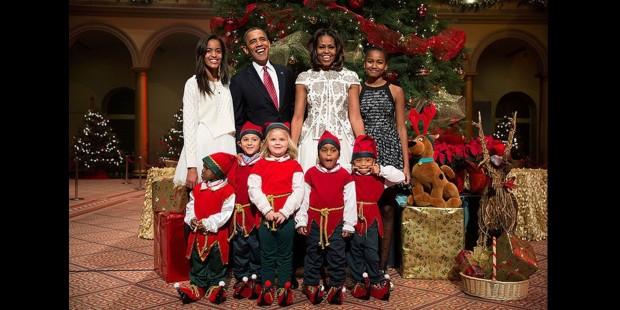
(379, 115)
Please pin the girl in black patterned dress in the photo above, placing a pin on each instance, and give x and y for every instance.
(382, 105)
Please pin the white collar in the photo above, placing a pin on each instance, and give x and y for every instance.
(213, 185)
(285, 157)
(259, 68)
(325, 170)
(253, 159)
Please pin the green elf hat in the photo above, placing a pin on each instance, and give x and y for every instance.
(220, 163)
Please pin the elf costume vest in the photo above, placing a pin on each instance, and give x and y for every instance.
(276, 180)
(245, 213)
(326, 201)
(368, 190)
(206, 203)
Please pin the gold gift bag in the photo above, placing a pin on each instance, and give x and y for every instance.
(431, 238)
(168, 197)
(145, 230)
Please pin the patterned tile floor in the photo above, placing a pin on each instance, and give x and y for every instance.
(111, 268)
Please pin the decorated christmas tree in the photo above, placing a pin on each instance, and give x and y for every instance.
(173, 140)
(96, 145)
(501, 131)
(425, 56)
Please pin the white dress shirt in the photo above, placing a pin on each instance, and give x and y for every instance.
(272, 73)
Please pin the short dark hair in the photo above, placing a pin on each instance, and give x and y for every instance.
(314, 57)
(245, 34)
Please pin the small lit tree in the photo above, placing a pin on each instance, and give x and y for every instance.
(96, 145)
(173, 140)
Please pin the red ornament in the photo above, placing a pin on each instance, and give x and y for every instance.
(356, 4)
(391, 76)
(422, 10)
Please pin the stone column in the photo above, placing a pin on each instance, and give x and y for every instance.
(142, 130)
(469, 103)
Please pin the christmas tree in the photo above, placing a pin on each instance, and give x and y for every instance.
(501, 133)
(96, 145)
(425, 56)
(173, 140)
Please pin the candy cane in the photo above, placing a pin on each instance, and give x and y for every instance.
(494, 260)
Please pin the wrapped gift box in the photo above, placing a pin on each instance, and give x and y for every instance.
(516, 260)
(467, 264)
(169, 247)
(168, 197)
(431, 239)
(147, 218)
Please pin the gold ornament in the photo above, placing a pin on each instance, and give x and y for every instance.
(312, 19)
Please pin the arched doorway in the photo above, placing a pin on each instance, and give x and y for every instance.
(100, 62)
(170, 56)
(525, 107)
(510, 61)
(119, 106)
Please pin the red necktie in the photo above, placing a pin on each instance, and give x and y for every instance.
(270, 88)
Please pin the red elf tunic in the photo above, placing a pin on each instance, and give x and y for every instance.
(206, 203)
(326, 200)
(245, 214)
(277, 180)
(368, 190)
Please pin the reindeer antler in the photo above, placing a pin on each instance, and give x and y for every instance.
(511, 135)
(428, 112)
(414, 118)
(486, 158)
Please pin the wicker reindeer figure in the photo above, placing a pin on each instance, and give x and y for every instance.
(430, 184)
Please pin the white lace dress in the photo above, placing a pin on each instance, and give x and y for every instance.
(327, 110)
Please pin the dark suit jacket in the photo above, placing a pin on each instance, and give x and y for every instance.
(252, 102)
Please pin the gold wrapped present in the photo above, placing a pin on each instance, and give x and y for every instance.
(145, 231)
(530, 190)
(169, 197)
(431, 238)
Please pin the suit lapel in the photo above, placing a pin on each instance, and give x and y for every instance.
(257, 83)
(281, 84)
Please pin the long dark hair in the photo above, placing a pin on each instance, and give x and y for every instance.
(201, 67)
(339, 61)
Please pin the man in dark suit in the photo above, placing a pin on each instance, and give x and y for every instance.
(252, 99)
(260, 101)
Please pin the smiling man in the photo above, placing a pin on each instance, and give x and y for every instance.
(262, 92)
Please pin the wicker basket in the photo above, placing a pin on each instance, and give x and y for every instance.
(497, 290)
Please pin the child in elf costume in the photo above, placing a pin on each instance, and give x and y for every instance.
(246, 219)
(275, 186)
(327, 216)
(370, 181)
(210, 205)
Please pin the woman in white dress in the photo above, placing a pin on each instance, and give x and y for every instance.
(331, 93)
(208, 116)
